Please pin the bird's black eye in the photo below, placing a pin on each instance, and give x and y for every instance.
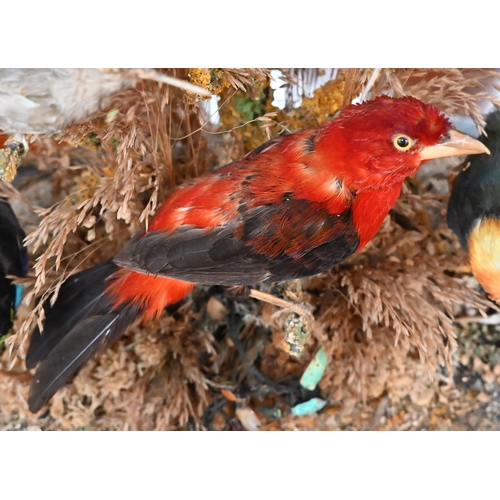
(402, 142)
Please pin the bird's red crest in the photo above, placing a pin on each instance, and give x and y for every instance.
(424, 121)
(366, 134)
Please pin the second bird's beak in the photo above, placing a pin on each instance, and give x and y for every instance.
(454, 145)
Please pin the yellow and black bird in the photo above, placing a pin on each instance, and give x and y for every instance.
(474, 209)
(13, 262)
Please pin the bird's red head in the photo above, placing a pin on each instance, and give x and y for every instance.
(391, 138)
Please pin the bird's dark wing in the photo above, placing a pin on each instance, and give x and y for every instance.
(13, 254)
(276, 242)
(476, 191)
(13, 261)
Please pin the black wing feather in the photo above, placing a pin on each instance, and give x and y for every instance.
(68, 357)
(475, 192)
(13, 254)
(252, 248)
(81, 296)
(13, 261)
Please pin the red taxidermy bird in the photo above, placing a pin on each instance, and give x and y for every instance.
(292, 208)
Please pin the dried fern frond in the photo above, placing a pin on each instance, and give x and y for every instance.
(455, 91)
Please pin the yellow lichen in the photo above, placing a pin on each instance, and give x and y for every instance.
(212, 79)
(10, 158)
(324, 103)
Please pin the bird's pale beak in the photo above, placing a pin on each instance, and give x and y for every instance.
(455, 144)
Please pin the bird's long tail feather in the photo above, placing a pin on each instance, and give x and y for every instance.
(92, 311)
(75, 349)
(81, 322)
(81, 296)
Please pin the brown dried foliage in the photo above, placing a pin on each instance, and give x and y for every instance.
(455, 91)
